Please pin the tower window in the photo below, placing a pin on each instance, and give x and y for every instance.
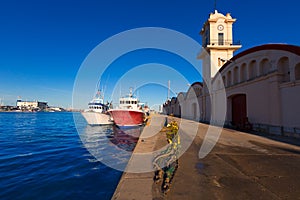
(221, 38)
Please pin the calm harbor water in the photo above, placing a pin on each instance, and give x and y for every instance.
(43, 157)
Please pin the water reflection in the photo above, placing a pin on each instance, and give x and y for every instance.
(126, 138)
(110, 144)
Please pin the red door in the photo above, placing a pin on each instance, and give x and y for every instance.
(239, 110)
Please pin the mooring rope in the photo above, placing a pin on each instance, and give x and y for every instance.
(166, 162)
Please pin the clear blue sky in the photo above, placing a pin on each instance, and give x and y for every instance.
(43, 43)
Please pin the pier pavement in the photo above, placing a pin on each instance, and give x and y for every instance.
(136, 182)
(240, 166)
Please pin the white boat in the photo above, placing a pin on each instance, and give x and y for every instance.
(97, 113)
(129, 113)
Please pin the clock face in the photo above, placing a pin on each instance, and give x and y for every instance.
(220, 27)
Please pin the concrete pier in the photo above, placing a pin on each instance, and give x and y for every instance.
(137, 184)
(240, 166)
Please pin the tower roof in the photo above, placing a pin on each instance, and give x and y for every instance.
(213, 17)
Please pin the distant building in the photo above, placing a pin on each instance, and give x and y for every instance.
(31, 105)
(7, 108)
(160, 109)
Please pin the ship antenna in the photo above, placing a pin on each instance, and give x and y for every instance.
(104, 89)
(98, 94)
(130, 91)
(98, 85)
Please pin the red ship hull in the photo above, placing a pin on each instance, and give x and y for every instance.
(127, 117)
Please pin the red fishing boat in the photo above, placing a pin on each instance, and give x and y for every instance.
(129, 113)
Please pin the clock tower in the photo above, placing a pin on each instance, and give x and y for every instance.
(217, 42)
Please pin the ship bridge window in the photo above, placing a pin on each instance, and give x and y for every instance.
(127, 102)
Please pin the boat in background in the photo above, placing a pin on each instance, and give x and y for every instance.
(97, 113)
(129, 113)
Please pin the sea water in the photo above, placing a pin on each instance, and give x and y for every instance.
(42, 156)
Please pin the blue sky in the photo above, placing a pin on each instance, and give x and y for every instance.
(43, 43)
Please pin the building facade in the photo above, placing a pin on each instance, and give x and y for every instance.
(258, 89)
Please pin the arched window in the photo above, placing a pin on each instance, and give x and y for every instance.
(252, 70)
(229, 78)
(243, 73)
(219, 84)
(224, 81)
(297, 72)
(197, 91)
(264, 67)
(235, 75)
(283, 69)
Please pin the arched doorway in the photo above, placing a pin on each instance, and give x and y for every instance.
(179, 112)
(194, 110)
(239, 110)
